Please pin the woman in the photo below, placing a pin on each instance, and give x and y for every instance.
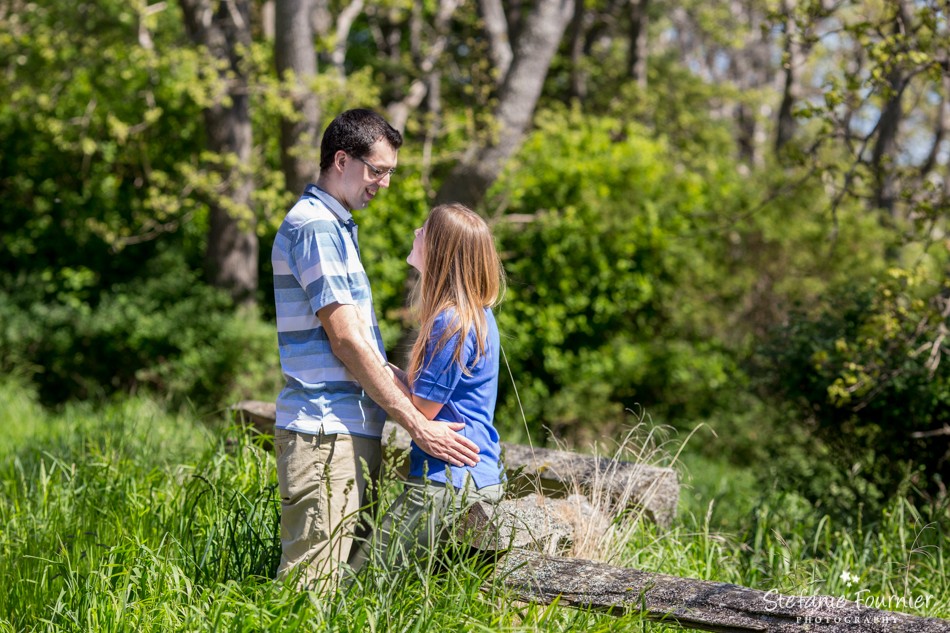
(452, 376)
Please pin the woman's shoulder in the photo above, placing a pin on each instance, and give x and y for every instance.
(445, 317)
(449, 316)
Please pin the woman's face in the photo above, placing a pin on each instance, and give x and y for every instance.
(417, 256)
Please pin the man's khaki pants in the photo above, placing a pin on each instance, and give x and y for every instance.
(324, 482)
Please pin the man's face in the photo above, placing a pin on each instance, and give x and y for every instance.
(362, 176)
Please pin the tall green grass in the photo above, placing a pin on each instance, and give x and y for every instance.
(123, 517)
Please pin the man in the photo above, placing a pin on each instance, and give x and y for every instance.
(339, 386)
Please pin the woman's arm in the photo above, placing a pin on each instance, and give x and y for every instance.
(428, 408)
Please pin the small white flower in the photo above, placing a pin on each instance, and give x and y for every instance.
(848, 578)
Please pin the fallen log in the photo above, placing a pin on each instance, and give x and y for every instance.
(515, 527)
(691, 603)
(653, 489)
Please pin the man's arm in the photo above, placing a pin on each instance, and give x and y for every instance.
(348, 343)
(399, 374)
(399, 377)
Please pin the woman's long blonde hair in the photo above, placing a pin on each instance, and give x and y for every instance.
(462, 270)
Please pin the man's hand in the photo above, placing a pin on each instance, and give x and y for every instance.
(442, 441)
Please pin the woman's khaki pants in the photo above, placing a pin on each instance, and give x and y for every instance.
(421, 520)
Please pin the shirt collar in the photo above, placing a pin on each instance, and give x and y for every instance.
(331, 203)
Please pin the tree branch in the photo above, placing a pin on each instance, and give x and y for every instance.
(944, 430)
(399, 111)
(496, 26)
(343, 25)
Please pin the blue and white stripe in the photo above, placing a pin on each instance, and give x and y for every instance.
(316, 263)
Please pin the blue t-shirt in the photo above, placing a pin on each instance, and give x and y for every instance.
(467, 398)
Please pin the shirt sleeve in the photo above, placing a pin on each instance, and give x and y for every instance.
(440, 374)
(318, 261)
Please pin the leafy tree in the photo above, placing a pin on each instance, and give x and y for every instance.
(104, 175)
(591, 215)
(98, 130)
(643, 275)
(652, 239)
(865, 373)
(223, 31)
(879, 115)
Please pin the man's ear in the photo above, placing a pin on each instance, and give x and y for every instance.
(339, 159)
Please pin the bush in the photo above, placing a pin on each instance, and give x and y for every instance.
(863, 377)
(591, 323)
(169, 334)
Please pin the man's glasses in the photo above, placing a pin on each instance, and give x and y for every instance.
(378, 173)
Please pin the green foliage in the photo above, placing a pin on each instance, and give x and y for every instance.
(106, 189)
(95, 153)
(650, 266)
(168, 334)
(864, 374)
(887, 94)
(641, 276)
(587, 270)
(676, 108)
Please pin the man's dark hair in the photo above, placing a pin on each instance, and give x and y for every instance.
(355, 132)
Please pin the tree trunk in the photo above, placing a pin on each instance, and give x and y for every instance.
(483, 162)
(741, 71)
(296, 58)
(885, 146)
(344, 23)
(793, 60)
(941, 125)
(427, 63)
(578, 36)
(231, 258)
(499, 45)
(637, 53)
(750, 70)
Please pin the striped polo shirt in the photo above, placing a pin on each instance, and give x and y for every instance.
(316, 263)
